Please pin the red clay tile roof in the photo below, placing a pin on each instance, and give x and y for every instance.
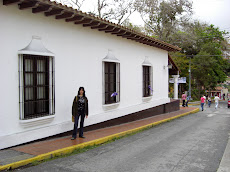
(78, 17)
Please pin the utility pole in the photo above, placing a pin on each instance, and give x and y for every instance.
(189, 76)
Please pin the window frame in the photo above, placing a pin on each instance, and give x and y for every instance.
(150, 73)
(117, 82)
(50, 90)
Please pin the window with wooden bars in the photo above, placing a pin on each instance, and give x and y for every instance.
(36, 86)
(111, 82)
(147, 81)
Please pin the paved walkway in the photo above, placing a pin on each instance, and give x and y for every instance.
(36, 149)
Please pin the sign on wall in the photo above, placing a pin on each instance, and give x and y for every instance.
(181, 80)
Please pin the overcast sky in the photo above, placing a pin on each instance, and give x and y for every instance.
(215, 12)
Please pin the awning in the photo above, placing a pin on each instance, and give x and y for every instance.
(36, 47)
(146, 62)
(110, 57)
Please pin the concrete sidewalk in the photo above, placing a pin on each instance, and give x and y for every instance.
(225, 162)
(19, 156)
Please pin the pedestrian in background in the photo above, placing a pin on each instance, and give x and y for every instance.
(184, 96)
(209, 101)
(216, 101)
(79, 109)
(188, 98)
(202, 100)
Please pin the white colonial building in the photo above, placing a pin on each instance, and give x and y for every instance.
(49, 50)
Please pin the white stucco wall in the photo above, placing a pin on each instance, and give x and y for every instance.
(78, 62)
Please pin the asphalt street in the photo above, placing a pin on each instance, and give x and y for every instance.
(194, 143)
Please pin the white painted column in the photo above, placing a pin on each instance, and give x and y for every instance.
(175, 86)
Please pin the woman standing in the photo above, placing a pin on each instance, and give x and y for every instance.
(202, 100)
(209, 101)
(216, 101)
(79, 109)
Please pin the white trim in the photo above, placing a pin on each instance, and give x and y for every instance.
(36, 47)
(144, 99)
(118, 82)
(21, 89)
(146, 62)
(110, 57)
(36, 121)
(110, 105)
(35, 53)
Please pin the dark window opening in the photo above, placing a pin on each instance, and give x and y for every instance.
(146, 81)
(36, 86)
(110, 82)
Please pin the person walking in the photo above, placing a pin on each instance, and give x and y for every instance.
(202, 100)
(209, 101)
(216, 101)
(79, 109)
(187, 100)
(184, 96)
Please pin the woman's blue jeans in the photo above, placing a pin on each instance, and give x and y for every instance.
(76, 119)
(202, 106)
(209, 103)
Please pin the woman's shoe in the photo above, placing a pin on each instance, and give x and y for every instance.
(73, 138)
(82, 137)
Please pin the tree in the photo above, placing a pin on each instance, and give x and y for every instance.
(204, 44)
(164, 18)
(114, 10)
(210, 68)
(129, 25)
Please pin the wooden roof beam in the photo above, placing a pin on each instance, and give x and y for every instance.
(42, 8)
(74, 18)
(107, 28)
(29, 4)
(114, 30)
(136, 37)
(85, 20)
(101, 26)
(8, 2)
(119, 32)
(94, 23)
(54, 11)
(141, 40)
(124, 33)
(128, 35)
(64, 15)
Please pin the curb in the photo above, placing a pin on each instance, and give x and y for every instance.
(68, 150)
(195, 104)
(225, 161)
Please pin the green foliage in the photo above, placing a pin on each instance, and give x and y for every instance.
(203, 44)
(209, 66)
(182, 62)
(163, 18)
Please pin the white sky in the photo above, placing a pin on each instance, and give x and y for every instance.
(215, 12)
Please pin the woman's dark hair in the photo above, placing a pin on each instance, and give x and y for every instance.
(81, 88)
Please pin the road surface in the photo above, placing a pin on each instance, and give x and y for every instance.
(194, 143)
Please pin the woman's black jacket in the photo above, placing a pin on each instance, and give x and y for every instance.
(75, 106)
